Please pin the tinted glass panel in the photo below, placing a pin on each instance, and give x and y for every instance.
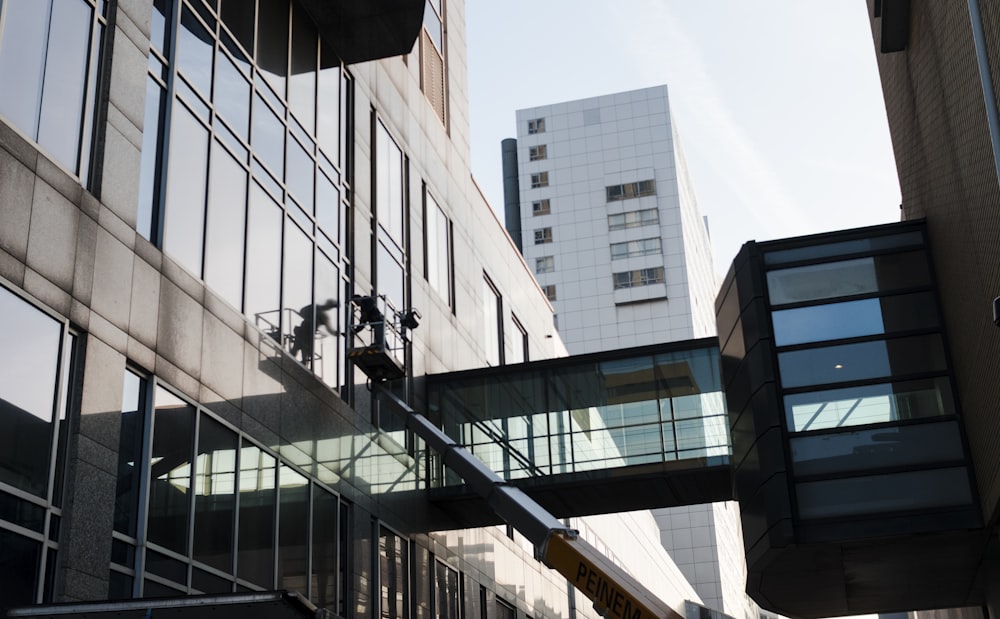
(328, 207)
(22, 513)
(328, 106)
(206, 582)
(884, 493)
(297, 297)
(215, 494)
(184, 220)
(170, 472)
(22, 559)
(65, 81)
(836, 321)
(854, 406)
(884, 447)
(240, 21)
(263, 273)
(848, 362)
(302, 81)
(300, 174)
(232, 95)
(268, 137)
(328, 318)
(394, 575)
(293, 530)
(129, 452)
(857, 246)
(224, 235)
(272, 41)
(389, 188)
(848, 277)
(194, 52)
(257, 509)
(22, 53)
(29, 356)
(324, 549)
(446, 600)
(149, 179)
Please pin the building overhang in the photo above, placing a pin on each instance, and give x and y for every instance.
(252, 605)
(362, 30)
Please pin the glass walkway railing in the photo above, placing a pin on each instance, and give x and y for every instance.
(592, 412)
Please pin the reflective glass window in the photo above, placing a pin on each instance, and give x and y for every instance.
(297, 295)
(302, 78)
(852, 406)
(326, 509)
(240, 21)
(257, 483)
(389, 184)
(29, 355)
(848, 277)
(215, 494)
(65, 84)
(390, 276)
(328, 105)
(170, 472)
(129, 454)
(857, 246)
(438, 249)
(224, 234)
(491, 323)
(187, 171)
(19, 577)
(263, 272)
(272, 42)
(293, 530)
(149, 176)
(232, 95)
(268, 137)
(394, 594)
(873, 494)
(834, 321)
(194, 52)
(906, 447)
(300, 174)
(328, 207)
(446, 598)
(849, 362)
(326, 363)
(22, 57)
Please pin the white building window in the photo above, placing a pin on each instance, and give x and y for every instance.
(626, 191)
(633, 219)
(537, 153)
(545, 264)
(550, 292)
(639, 277)
(539, 180)
(536, 126)
(541, 207)
(543, 235)
(631, 249)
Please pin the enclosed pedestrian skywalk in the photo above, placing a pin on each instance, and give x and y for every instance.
(608, 432)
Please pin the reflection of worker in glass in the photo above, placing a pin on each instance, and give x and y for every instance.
(313, 317)
(370, 316)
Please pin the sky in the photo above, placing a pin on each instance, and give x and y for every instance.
(778, 104)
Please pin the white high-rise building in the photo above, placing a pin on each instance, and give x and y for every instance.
(598, 194)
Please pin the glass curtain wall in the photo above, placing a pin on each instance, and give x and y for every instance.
(36, 353)
(49, 57)
(872, 419)
(243, 166)
(211, 511)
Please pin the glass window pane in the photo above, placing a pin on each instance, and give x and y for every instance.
(257, 509)
(906, 447)
(130, 453)
(22, 559)
(328, 207)
(883, 358)
(232, 95)
(65, 81)
(293, 530)
(326, 508)
(268, 137)
(297, 298)
(869, 404)
(394, 575)
(263, 273)
(240, 21)
(184, 217)
(389, 184)
(390, 276)
(227, 196)
(873, 494)
(22, 52)
(272, 42)
(29, 355)
(152, 142)
(302, 81)
(848, 277)
(843, 248)
(301, 170)
(328, 105)
(855, 318)
(170, 472)
(326, 362)
(215, 494)
(491, 320)
(194, 52)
